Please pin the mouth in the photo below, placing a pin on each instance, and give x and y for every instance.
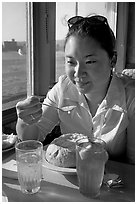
(81, 84)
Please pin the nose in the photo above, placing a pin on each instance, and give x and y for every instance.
(80, 71)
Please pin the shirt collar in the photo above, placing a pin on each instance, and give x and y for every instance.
(115, 97)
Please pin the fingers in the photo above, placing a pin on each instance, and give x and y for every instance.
(32, 118)
(27, 103)
(29, 110)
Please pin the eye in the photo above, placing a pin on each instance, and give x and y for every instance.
(70, 62)
(90, 61)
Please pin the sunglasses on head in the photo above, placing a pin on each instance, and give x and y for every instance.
(93, 20)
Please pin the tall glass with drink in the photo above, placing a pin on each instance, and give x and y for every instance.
(91, 157)
(29, 165)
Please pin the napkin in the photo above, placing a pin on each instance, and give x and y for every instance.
(9, 167)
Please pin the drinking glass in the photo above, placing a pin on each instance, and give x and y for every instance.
(91, 157)
(29, 165)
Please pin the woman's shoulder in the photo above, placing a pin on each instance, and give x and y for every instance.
(127, 81)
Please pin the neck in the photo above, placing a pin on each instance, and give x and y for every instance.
(95, 98)
(94, 101)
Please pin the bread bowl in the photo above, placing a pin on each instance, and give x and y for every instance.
(61, 151)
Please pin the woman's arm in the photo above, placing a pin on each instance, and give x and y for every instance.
(41, 128)
(29, 111)
(35, 121)
(45, 117)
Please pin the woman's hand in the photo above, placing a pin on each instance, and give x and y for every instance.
(29, 110)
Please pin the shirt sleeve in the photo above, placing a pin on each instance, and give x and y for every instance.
(49, 117)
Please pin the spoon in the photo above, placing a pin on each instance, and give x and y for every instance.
(64, 109)
(113, 180)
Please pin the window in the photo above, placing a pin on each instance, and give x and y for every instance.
(14, 79)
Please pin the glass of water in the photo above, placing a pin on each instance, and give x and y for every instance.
(29, 165)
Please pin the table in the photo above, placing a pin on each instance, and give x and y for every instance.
(56, 187)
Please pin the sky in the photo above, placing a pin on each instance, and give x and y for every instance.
(13, 21)
(14, 17)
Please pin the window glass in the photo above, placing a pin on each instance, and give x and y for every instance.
(66, 10)
(14, 81)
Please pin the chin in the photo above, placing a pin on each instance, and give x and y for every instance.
(85, 89)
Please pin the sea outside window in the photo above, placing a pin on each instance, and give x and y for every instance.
(65, 10)
(14, 80)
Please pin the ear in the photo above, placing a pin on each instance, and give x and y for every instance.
(114, 59)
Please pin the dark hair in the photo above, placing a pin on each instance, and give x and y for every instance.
(101, 33)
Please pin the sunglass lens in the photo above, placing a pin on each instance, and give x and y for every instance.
(74, 20)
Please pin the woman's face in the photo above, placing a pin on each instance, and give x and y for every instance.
(87, 64)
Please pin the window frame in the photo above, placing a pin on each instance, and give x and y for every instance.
(121, 35)
(41, 64)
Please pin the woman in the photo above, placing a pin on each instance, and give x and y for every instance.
(103, 103)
